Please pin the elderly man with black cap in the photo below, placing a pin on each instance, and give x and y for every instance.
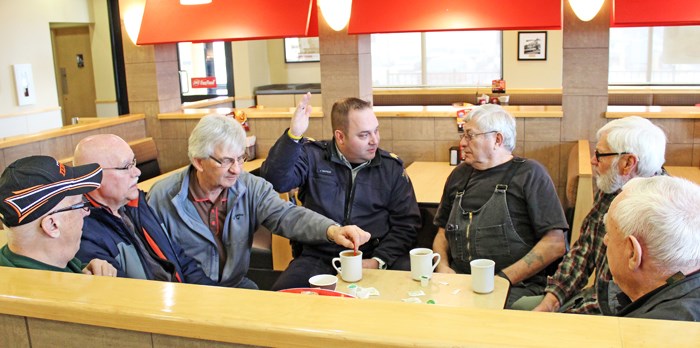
(41, 204)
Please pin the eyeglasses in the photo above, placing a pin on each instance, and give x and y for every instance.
(82, 205)
(598, 155)
(229, 162)
(126, 167)
(469, 135)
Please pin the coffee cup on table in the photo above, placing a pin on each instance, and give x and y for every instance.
(482, 275)
(349, 265)
(423, 263)
(323, 281)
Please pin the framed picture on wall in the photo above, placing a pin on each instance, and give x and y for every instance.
(532, 45)
(301, 50)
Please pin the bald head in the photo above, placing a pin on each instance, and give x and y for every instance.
(117, 159)
(101, 149)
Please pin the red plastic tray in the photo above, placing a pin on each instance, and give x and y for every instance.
(322, 292)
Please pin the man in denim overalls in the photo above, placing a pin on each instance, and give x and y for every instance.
(499, 207)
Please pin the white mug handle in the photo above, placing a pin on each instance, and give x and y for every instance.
(435, 263)
(337, 267)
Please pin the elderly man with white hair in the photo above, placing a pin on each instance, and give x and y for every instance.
(213, 207)
(653, 247)
(499, 207)
(627, 148)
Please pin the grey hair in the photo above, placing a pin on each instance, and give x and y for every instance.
(491, 117)
(214, 130)
(640, 137)
(662, 211)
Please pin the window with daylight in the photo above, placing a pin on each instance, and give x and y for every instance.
(436, 59)
(655, 56)
(206, 70)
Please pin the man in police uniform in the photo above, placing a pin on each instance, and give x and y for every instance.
(348, 179)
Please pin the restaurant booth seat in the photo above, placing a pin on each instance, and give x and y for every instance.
(146, 154)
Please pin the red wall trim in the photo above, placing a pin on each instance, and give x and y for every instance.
(649, 13)
(388, 16)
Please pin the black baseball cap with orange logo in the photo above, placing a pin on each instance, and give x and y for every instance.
(32, 186)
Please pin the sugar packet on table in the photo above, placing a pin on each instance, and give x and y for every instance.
(366, 292)
(416, 293)
(411, 300)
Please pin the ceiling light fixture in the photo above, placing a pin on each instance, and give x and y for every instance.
(132, 21)
(586, 10)
(336, 12)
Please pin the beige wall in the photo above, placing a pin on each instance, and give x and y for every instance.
(27, 39)
(532, 74)
(250, 69)
(102, 60)
(281, 72)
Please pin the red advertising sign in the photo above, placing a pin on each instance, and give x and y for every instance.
(204, 82)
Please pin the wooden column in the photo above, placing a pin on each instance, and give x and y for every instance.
(153, 87)
(585, 73)
(346, 68)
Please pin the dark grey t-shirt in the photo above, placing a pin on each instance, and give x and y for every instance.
(532, 199)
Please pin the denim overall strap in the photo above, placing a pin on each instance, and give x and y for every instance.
(487, 232)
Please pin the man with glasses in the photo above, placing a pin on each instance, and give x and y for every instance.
(350, 180)
(500, 207)
(122, 228)
(41, 205)
(627, 148)
(213, 207)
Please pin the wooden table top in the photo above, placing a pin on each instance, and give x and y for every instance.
(276, 319)
(147, 184)
(444, 289)
(429, 179)
(619, 111)
(690, 173)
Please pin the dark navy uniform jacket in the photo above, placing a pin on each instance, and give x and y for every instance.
(381, 199)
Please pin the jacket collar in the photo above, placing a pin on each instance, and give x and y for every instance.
(335, 156)
(187, 211)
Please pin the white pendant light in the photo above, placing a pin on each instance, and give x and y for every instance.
(585, 10)
(336, 12)
(194, 2)
(132, 20)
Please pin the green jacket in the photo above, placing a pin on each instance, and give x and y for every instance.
(10, 259)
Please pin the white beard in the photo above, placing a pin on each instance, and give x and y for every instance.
(610, 181)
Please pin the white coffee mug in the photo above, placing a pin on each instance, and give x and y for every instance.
(423, 263)
(482, 275)
(350, 267)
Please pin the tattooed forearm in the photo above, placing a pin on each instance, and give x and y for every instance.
(533, 257)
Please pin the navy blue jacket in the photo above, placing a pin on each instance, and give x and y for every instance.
(106, 237)
(381, 200)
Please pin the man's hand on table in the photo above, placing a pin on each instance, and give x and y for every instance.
(550, 303)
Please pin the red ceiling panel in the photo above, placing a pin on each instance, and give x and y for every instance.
(166, 21)
(390, 16)
(647, 13)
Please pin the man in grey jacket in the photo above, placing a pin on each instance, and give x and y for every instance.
(653, 247)
(213, 207)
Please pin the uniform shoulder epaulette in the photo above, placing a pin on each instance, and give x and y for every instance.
(391, 155)
(320, 143)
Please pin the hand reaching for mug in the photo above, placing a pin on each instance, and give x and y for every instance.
(300, 119)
